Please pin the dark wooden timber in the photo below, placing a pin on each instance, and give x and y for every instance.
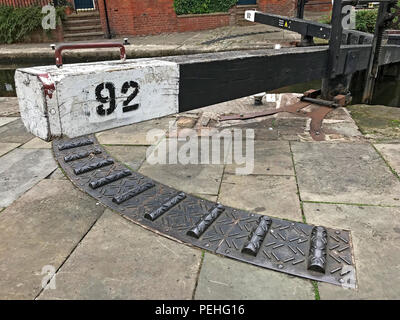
(300, 8)
(382, 20)
(306, 40)
(337, 79)
(394, 39)
(311, 28)
(335, 82)
(207, 79)
(335, 40)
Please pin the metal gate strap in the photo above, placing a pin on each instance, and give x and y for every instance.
(299, 249)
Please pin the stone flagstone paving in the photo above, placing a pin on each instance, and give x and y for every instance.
(41, 229)
(21, 169)
(343, 183)
(120, 260)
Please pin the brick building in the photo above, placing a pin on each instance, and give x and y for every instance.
(143, 17)
(96, 18)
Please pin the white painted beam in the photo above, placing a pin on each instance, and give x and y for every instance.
(80, 99)
(250, 15)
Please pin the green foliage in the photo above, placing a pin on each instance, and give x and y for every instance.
(325, 19)
(396, 21)
(16, 23)
(366, 20)
(63, 3)
(202, 6)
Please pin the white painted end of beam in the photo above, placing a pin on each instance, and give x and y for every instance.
(250, 15)
(32, 104)
(73, 109)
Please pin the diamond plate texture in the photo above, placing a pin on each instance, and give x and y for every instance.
(279, 245)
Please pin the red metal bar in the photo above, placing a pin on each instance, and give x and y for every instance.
(63, 47)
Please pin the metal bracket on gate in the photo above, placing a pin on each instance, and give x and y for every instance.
(295, 248)
(309, 98)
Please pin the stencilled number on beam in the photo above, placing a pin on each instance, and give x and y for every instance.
(125, 89)
(110, 98)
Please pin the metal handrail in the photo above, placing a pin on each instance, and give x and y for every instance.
(59, 49)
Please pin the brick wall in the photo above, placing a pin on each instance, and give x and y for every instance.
(282, 7)
(202, 22)
(24, 3)
(142, 17)
(319, 5)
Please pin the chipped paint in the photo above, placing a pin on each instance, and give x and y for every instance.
(86, 98)
(48, 84)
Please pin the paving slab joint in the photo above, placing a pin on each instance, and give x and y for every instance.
(261, 240)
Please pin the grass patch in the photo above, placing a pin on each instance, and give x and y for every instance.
(198, 273)
(395, 123)
(379, 121)
(352, 204)
(303, 216)
(316, 290)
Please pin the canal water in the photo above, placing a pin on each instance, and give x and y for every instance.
(7, 86)
(387, 90)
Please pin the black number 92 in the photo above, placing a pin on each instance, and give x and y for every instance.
(111, 96)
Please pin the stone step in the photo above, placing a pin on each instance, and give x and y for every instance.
(83, 36)
(83, 20)
(81, 23)
(84, 15)
(243, 23)
(83, 26)
(80, 29)
(240, 10)
(246, 6)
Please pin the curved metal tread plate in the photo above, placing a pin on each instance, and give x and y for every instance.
(290, 247)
